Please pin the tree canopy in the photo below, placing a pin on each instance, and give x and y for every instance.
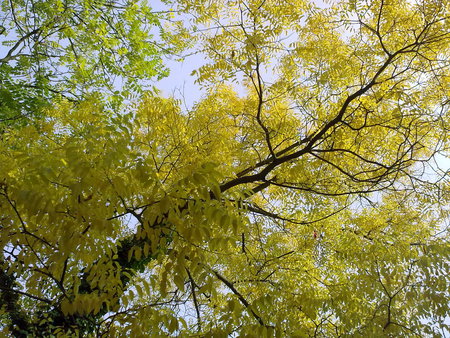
(302, 196)
(70, 49)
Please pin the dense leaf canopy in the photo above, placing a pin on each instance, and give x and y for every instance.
(53, 49)
(302, 196)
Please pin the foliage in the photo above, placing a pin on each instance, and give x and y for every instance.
(70, 48)
(299, 197)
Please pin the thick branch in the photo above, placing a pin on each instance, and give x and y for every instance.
(312, 139)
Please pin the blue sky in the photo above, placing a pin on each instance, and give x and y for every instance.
(180, 83)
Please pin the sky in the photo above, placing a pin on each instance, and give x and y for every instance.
(180, 83)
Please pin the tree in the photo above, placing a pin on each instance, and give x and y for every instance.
(70, 49)
(308, 203)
